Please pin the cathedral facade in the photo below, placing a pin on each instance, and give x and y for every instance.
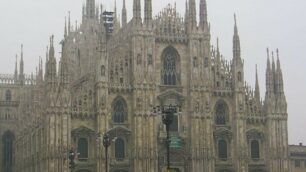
(113, 72)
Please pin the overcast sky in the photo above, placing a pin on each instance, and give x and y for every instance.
(261, 23)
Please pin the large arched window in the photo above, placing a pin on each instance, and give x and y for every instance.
(170, 71)
(255, 153)
(221, 113)
(8, 95)
(7, 140)
(83, 149)
(222, 149)
(119, 149)
(119, 111)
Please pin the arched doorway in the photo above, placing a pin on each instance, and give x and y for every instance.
(7, 140)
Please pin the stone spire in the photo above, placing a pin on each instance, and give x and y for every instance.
(51, 69)
(137, 12)
(39, 74)
(257, 90)
(186, 15)
(69, 23)
(115, 11)
(124, 14)
(281, 102)
(269, 76)
(273, 73)
(46, 62)
(16, 70)
(218, 53)
(83, 12)
(21, 67)
(279, 76)
(97, 13)
(203, 15)
(192, 14)
(237, 63)
(116, 22)
(90, 9)
(63, 71)
(236, 44)
(65, 29)
(148, 12)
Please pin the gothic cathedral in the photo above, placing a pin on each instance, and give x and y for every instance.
(110, 75)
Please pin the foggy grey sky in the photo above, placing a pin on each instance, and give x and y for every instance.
(261, 23)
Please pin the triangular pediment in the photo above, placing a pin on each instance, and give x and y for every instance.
(254, 134)
(119, 131)
(83, 130)
(171, 94)
(223, 132)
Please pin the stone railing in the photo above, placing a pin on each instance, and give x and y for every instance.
(9, 79)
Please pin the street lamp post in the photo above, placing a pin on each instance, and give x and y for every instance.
(71, 157)
(106, 144)
(167, 113)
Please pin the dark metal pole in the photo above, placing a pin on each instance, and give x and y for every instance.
(106, 144)
(168, 146)
(167, 113)
(106, 159)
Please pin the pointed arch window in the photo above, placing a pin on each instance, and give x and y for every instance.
(170, 71)
(222, 150)
(119, 111)
(119, 149)
(83, 149)
(255, 152)
(8, 95)
(7, 141)
(221, 113)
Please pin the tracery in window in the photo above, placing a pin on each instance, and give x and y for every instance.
(119, 111)
(170, 71)
(221, 110)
